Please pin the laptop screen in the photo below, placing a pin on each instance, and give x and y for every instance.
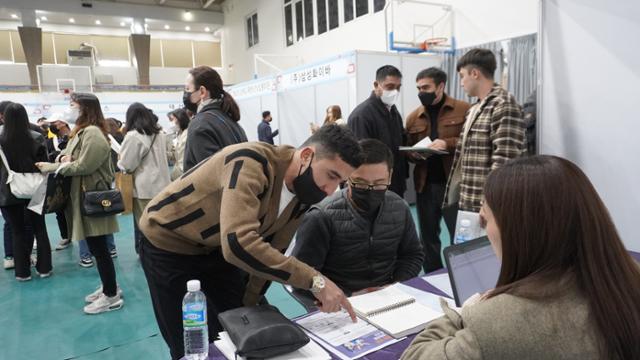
(473, 268)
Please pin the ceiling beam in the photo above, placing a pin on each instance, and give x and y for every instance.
(117, 9)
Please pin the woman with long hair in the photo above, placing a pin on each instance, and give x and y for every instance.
(87, 160)
(333, 117)
(23, 148)
(215, 124)
(567, 289)
(180, 122)
(144, 155)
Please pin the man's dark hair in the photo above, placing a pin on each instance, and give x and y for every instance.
(481, 59)
(387, 70)
(336, 140)
(265, 114)
(437, 75)
(376, 152)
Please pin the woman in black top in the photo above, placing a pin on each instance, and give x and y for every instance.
(23, 148)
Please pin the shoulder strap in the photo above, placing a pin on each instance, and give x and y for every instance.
(5, 161)
(231, 130)
(150, 146)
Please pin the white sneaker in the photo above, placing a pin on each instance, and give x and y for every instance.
(96, 294)
(45, 275)
(104, 303)
(63, 244)
(9, 263)
(35, 244)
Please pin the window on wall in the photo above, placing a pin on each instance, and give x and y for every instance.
(308, 18)
(334, 20)
(299, 31)
(348, 10)
(252, 30)
(288, 24)
(362, 7)
(378, 5)
(321, 10)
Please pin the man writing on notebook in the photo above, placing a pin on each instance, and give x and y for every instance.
(235, 213)
(363, 236)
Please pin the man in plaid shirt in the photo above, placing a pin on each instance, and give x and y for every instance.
(494, 132)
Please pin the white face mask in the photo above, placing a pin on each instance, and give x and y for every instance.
(70, 115)
(389, 97)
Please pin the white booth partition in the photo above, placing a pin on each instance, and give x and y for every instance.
(304, 93)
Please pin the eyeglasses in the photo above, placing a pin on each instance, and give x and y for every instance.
(365, 186)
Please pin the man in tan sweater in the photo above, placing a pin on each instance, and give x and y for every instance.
(228, 220)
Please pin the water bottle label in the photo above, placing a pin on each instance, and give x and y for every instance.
(194, 315)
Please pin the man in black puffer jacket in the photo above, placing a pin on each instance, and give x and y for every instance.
(363, 236)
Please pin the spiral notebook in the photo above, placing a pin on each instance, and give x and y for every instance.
(393, 311)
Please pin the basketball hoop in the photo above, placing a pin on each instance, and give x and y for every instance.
(432, 43)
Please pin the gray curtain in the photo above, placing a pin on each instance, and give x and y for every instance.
(449, 66)
(521, 67)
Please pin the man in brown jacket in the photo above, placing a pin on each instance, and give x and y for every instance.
(234, 214)
(440, 118)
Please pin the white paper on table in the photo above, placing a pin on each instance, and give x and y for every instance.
(335, 328)
(311, 351)
(432, 301)
(440, 282)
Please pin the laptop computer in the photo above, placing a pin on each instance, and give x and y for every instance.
(473, 268)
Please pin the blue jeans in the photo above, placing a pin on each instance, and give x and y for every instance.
(84, 248)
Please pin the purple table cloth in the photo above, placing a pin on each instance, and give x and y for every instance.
(394, 351)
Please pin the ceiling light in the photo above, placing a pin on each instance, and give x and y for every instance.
(207, 29)
(98, 22)
(122, 23)
(43, 18)
(167, 27)
(187, 15)
(188, 28)
(72, 20)
(14, 16)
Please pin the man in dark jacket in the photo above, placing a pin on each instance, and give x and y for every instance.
(264, 129)
(378, 118)
(362, 237)
(215, 124)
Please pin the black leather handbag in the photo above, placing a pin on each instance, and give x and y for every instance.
(260, 332)
(101, 203)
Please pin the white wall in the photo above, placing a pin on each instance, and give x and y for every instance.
(14, 74)
(594, 126)
(475, 22)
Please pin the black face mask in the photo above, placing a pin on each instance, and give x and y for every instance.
(186, 100)
(367, 201)
(426, 98)
(306, 189)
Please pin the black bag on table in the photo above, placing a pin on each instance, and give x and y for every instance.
(260, 332)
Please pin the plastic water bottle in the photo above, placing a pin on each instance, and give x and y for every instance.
(194, 322)
(464, 231)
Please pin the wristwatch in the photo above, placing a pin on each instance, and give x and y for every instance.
(317, 284)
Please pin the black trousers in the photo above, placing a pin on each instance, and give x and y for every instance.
(17, 216)
(62, 224)
(8, 232)
(99, 249)
(167, 274)
(429, 206)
